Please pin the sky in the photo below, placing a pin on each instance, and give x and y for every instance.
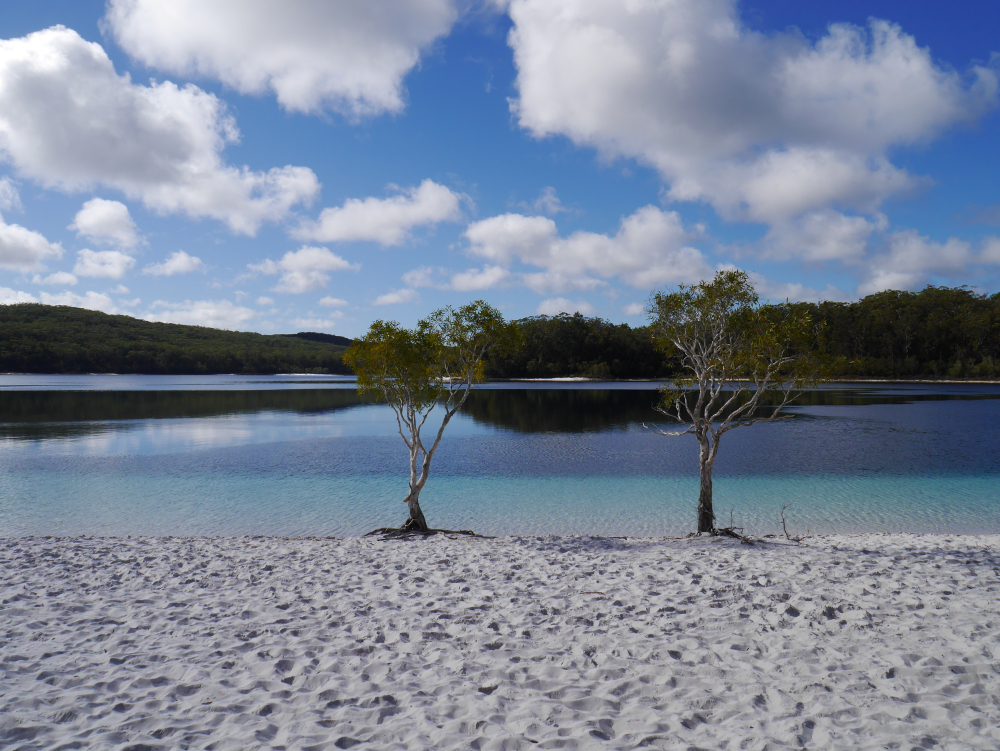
(309, 165)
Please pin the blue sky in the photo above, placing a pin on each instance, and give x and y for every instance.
(307, 165)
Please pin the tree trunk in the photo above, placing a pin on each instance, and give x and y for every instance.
(416, 522)
(706, 516)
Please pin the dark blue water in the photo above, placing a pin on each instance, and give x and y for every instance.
(221, 455)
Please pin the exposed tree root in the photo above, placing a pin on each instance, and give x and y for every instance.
(734, 532)
(408, 530)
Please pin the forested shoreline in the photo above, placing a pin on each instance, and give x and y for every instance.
(937, 333)
(38, 338)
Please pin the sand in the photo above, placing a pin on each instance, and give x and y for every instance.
(851, 642)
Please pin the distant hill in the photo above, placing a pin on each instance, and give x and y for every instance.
(315, 336)
(60, 339)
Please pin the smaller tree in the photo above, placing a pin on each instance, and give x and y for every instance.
(414, 370)
(746, 362)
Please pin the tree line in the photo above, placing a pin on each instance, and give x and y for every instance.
(939, 332)
(60, 339)
(576, 345)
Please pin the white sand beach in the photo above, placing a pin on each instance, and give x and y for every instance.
(850, 642)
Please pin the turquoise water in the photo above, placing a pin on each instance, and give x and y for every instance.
(306, 456)
(122, 503)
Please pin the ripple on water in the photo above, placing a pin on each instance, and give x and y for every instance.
(315, 464)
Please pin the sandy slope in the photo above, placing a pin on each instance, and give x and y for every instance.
(860, 642)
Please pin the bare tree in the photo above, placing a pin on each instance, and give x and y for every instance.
(415, 370)
(745, 360)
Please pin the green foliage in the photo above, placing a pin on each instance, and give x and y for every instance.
(574, 345)
(720, 335)
(400, 365)
(413, 368)
(60, 339)
(737, 355)
(469, 335)
(707, 327)
(315, 336)
(939, 332)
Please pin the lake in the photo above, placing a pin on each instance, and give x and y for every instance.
(305, 455)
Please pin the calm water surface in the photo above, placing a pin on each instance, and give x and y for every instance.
(305, 455)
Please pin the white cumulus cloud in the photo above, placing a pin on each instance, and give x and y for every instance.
(544, 282)
(779, 292)
(90, 300)
(10, 197)
(387, 221)
(910, 259)
(177, 262)
(332, 302)
(10, 296)
(476, 279)
(991, 250)
(315, 324)
(557, 305)
(106, 221)
(62, 278)
(761, 126)
(68, 120)
(313, 54)
(427, 276)
(649, 248)
(822, 235)
(112, 264)
(216, 314)
(397, 297)
(548, 202)
(22, 249)
(304, 270)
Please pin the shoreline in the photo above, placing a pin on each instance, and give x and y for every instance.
(861, 641)
(513, 536)
(555, 379)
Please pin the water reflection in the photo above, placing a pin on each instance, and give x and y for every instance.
(856, 396)
(596, 410)
(522, 458)
(561, 410)
(34, 415)
(521, 408)
(117, 382)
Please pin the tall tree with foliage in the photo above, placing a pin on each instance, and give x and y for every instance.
(745, 361)
(417, 369)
